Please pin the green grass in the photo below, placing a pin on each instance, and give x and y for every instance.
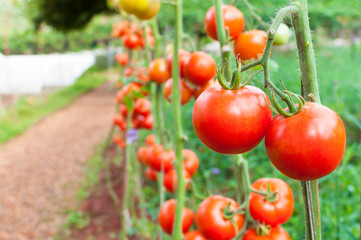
(25, 113)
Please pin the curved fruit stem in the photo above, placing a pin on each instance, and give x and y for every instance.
(309, 86)
(176, 101)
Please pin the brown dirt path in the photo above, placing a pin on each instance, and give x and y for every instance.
(41, 170)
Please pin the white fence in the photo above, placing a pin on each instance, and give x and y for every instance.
(26, 74)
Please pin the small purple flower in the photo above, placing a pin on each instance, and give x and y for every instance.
(216, 171)
(132, 135)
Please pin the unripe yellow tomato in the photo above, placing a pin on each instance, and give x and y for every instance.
(150, 12)
(134, 6)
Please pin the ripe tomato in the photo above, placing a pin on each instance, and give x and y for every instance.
(186, 91)
(150, 11)
(190, 162)
(231, 121)
(157, 156)
(198, 89)
(131, 40)
(200, 68)
(158, 71)
(134, 6)
(128, 71)
(194, 235)
(122, 59)
(119, 141)
(120, 122)
(272, 213)
(250, 45)
(183, 55)
(283, 35)
(123, 110)
(210, 221)
(142, 154)
(150, 140)
(308, 145)
(151, 174)
(170, 181)
(142, 74)
(233, 19)
(142, 106)
(148, 122)
(277, 233)
(167, 214)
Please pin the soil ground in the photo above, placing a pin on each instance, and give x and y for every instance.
(42, 169)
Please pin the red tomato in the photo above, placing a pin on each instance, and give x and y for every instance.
(142, 106)
(190, 162)
(158, 71)
(194, 235)
(170, 181)
(231, 121)
(142, 74)
(128, 71)
(272, 213)
(167, 214)
(150, 140)
(308, 145)
(250, 45)
(119, 141)
(233, 19)
(123, 110)
(210, 221)
(186, 91)
(120, 122)
(142, 154)
(198, 89)
(122, 58)
(131, 40)
(277, 233)
(148, 122)
(157, 156)
(151, 174)
(200, 68)
(183, 55)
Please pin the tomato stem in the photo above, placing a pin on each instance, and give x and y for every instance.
(309, 87)
(176, 101)
(223, 41)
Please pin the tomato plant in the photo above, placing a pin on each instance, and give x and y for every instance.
(233, 19)
(171, 180)
(231, 121)
(167, 213)
(200, 68)
(275, 208)
(211, 221)
(308, 145)
(190, 162)
(186, 91)
(277, 233)
(183, 56)
(250, 45)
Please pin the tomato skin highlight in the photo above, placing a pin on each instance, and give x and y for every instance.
(232, 18)
(308, 145)
(277, 233)
(250, 45)
(200, 68)
(271, 213)
(210, 221)
(167, 214)
(231, 121)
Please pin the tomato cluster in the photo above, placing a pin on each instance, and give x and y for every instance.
(132, 35)
(157, 158)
